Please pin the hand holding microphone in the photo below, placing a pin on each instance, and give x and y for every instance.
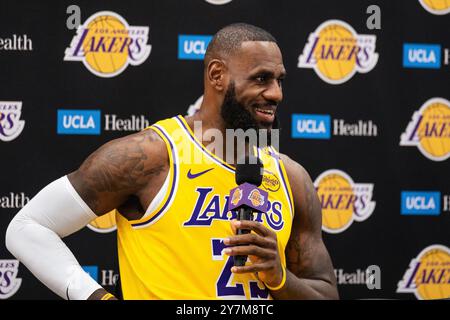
(247, 197)
(261, 245)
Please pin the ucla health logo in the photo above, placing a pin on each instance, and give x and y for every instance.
(429, 130)
(79, 122)
(92, 271)
(438, 7)
(9, 283)
(11, 125)
(106, 44)
(192, 47)
(343, 200)
(421, 203)
(421, 55)
(319, 126)
(428, 275)
(311, 126)
(336, 52)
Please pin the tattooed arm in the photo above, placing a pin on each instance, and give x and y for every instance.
(120, 169)
(125, 171)
(117, 171)
(309, 271)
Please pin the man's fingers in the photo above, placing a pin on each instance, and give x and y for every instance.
(251, 238)
(252, 268)
(250, 251)
(255, 226)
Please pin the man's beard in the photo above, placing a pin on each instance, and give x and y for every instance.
(236, 116)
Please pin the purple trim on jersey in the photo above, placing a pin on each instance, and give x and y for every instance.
(183, 126)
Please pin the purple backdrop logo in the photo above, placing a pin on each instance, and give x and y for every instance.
(10, 124)
(9, 283)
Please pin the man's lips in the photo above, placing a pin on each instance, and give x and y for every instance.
(265, 113)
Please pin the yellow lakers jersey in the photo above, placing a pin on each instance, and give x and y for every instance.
(175, 251)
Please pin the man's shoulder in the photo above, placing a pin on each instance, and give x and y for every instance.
(294, 170)
(299, 179)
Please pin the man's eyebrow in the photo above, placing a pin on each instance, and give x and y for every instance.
(267, 72)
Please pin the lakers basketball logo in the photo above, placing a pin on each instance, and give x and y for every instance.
(256, 198)
(343, 201)
(336, 52)
(429, 130)
(237, 196)
(270, 181)
(10, 124)
(428, 275)
(105, 223)
(106, 44)
(438, 7)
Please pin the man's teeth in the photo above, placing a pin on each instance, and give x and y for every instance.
(265, 111)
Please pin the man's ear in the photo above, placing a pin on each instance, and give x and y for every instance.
(217, 74)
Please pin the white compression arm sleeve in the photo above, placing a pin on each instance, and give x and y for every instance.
(34, 238)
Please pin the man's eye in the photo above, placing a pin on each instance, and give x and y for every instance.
(261, 79)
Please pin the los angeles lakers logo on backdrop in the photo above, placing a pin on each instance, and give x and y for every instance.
(106, 44)
(336, 52)
(429, 130)
(105, 223)
(343, 201)
(428, 275)
(436, 6)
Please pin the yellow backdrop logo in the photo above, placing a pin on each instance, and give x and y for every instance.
(336, 52)
(343, 201)
(436, 6)
(105, 223)
(429, 130)
(106, 44)
(428, 275)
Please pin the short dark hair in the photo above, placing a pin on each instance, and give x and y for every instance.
(228, 39)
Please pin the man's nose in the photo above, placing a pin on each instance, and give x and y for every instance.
(274, 92)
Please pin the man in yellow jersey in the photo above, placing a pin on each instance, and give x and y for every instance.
(176, 238)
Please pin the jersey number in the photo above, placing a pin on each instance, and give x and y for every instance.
(224, 288)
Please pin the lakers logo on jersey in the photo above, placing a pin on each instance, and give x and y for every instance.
(210, 207)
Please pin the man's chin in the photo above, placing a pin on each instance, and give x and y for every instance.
(265, 125)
